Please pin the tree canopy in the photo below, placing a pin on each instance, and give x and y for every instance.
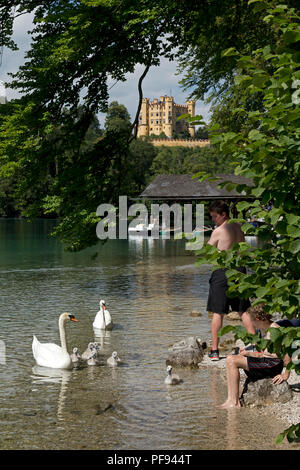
(187, 160)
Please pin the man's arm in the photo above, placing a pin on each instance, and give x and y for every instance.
(214, 238)
(244, 352)
(278, 379)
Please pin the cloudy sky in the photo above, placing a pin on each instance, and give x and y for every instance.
(160, 80)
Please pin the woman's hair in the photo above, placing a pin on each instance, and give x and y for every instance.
(257, 313)
(219, 207)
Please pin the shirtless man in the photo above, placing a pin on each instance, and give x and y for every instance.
(223, 237)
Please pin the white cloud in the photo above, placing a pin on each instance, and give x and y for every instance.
(11, 60)
(160, 80)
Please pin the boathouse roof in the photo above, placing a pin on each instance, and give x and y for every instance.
(185, 187)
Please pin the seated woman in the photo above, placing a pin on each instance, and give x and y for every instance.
(257, 365)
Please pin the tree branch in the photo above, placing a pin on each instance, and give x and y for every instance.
(140, 82)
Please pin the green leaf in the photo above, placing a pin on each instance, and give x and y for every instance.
(242, 78)
(295, 246)
(292, 219)
(226, 329)
(262, 291)
(229, 52)
(257, 191)
(293, 231)
(291, 37)
(274, 334)
(243, 205)
(290, 436)
(254, 134)
(184, 116)
(279, 438)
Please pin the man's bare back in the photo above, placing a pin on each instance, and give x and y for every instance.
(226, 234)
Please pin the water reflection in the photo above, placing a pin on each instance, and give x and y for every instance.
(45, 375)
(103, 338)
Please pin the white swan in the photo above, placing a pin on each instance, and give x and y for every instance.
(50, 354)
(114, 360)
(103, 320)
(172, 379)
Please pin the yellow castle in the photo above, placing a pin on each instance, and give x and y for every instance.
(160, 115)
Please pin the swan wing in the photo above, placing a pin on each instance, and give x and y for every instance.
(50, 355)
(98, 322)
(108, 319)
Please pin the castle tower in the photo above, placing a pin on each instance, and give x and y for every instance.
(143, 128)
(191, 111)
(169, 115)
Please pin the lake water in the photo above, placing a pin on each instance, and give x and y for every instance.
(151, 287)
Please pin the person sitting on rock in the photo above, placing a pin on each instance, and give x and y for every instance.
(262, 321)
(257, 365)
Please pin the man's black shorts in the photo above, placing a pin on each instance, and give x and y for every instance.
(218, 302)
(263, 367)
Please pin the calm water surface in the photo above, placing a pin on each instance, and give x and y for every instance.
(151, 287)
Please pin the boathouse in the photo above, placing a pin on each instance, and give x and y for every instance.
(185, 188)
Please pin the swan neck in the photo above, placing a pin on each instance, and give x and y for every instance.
(103, 315)
(62, 333)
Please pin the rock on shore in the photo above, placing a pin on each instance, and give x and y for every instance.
(264, 392)
(186, 353)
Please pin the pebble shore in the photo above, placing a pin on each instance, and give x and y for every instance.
(289, 412)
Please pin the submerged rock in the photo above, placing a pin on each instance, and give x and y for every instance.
(264, 392)
(186, 353)
(100, 409)
(195, 313)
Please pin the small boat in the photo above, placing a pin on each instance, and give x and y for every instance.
(141, 230)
